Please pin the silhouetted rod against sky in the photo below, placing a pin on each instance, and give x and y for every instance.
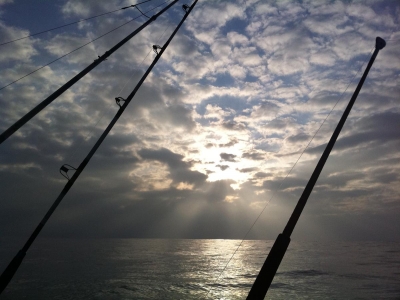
(17, 125)
(278, 250)
(76, 22)
(9, 272)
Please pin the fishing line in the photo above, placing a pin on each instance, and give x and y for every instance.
(141, 63)
(15, 263)
(80, 47)
(274, 193)
(394, 30)
(290, 171)
(157, 41)
(111, 104)
(121, 89)
(76, 22)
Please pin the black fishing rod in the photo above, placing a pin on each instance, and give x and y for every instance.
(72, 23)
(9, 272)
(17, 125)
(278, 250)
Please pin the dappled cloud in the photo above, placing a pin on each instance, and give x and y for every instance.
(235, 113)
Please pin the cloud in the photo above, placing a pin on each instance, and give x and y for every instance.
(253, 155)
(227, 157)
(247, 170)
(231, 143)
(22, 50)
(222, 167)
(217, 191)
(324, 58)
(85, 9)
(300, 137)
(217, 16)
(214, 129)
(215, 112)
(368, 132)
(233, 125)
(265, 110)
(62, 44)
(262, 174)
(179, 170)
(6, 1)
(355, 45)
(236, 38)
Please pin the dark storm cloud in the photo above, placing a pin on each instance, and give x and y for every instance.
(380, 128)
(247, 170)
(300, 137)
(171, 93)
(179, 170)
(217, 191)
(116, 142)
(384, 177)
(151, 98)
(231, 143)
(341, 180)
(92, 208)
(154, 213)
(163, 155)
(253, 155)
(233, 125)
(388, 120)
(222, 167)
(280, 124)
(180, 115)
(271, 185)
(227, 157)
(262, 174)
(209, 145)
(216, 66)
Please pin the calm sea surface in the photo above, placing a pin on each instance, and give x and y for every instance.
(189, 269)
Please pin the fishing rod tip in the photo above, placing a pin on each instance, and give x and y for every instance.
(380, 43)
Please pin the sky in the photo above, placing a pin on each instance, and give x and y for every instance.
(223, 135)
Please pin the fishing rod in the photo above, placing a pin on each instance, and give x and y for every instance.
(9, 272)
(72, 23)
(278, 250)
(80, 47)
(17, 125)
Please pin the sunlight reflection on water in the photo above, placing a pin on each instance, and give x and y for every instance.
(188, 269)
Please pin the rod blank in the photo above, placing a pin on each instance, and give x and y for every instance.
(11, 269)
(17, 125)
(274, 258)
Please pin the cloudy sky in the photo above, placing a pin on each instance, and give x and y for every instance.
(212, 136)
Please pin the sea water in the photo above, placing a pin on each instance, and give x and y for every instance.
(198, 269)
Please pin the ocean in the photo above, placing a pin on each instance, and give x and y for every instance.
(61, 269)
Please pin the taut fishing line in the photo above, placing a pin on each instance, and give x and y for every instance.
(290, 171)
(148, 53)
(76, 49)
(69, 24)
(112, 103)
